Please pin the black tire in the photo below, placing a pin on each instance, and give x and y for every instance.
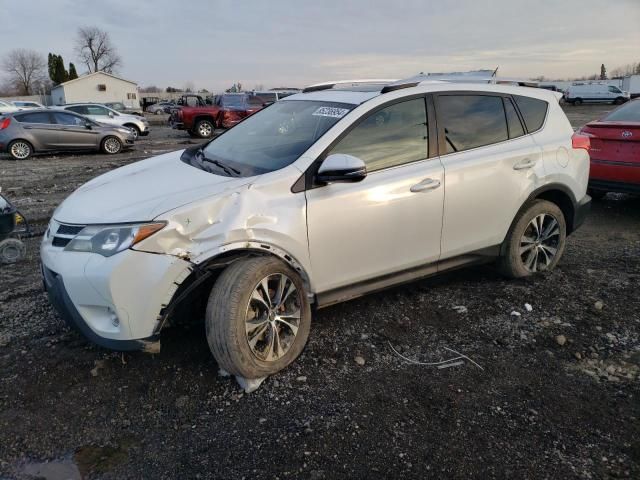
(12, 250)
(136, 130)
(577, 102)
(204, 128)
(511, 262)
(109, 145)
(20, 149)
(228, 309)
(619, 101)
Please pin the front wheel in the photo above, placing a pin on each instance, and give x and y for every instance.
(111, 145)
(535, 241)
(577, 102)
(136, 131)
(258, 317)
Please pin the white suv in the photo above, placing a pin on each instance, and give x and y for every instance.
(109, 116)
(324, 196)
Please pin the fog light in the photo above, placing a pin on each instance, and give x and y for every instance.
(114, 318)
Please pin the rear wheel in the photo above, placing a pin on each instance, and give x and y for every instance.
(577, 102)
(111, 145)
(204, 128)
(258, 317)
(535, 241)
(20, 149)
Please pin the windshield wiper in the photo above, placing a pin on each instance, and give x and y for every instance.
(232, 172)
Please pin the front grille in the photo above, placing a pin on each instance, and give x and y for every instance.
(69, 229)
(64, 234)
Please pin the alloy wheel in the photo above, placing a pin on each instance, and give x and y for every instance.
(112, 145)
(539, 243)
(205, 129)
(273, 317)
(20, 150)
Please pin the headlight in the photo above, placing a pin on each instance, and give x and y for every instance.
(108, 240)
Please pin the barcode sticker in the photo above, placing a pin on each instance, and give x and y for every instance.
(332, 112)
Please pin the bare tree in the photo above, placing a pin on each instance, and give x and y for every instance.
(93, 46)
(25, 70)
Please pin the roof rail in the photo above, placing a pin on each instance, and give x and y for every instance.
(354, 83)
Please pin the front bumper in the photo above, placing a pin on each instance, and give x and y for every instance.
(61, 301)
(582, 209)
(116, 301)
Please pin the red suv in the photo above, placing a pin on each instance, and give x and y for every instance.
(227, 110)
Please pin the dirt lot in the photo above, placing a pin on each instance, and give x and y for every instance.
(558, 395)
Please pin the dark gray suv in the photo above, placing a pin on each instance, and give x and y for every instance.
(47, 130)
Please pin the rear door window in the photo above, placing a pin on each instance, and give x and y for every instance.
(471, 121)
(533, 111)
(68, 119)
(36, 117)
(81, 109)
(97, 110)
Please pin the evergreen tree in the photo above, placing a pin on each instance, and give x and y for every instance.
(51, 66)
(72, 72)
(57, 73)
(603, 72)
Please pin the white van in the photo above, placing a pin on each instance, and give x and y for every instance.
(601, 92)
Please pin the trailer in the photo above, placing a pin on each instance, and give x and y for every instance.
(631, 84)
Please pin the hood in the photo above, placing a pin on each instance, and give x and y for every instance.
(142, 191)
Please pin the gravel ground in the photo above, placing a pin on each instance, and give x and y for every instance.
(557, 394)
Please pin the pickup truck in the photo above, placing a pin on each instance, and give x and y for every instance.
(227, 110)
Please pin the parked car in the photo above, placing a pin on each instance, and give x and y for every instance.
(6, 107)
(108, 116)
(580, 93)
(273, 95)
(615, 151)
(227, 110)
(54, 130)
(122, 108)
(160, 108)
(24, 105)
(321, 197)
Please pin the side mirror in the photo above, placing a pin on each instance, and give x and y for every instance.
(87, 125)
(341, 167)
(111, 114)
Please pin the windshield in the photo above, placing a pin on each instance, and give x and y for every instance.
(275, 136)
(627, 113)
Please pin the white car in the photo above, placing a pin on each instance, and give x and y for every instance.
(598, 92)
(7, 107)
(109, 116)
(324, 196)
(26, 105)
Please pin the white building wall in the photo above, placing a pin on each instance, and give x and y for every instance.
(87, 89)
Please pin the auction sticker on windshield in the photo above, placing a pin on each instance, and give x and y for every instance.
(333, 112)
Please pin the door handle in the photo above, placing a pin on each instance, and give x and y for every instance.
(425, 185)
(524, 164)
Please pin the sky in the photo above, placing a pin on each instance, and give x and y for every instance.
(213, 44)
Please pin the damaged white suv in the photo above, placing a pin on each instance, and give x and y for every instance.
(324, 196)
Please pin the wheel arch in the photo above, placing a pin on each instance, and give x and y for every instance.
(204, 116)
(555, 193)
(20, 139)
(191, 296)
(132, 125)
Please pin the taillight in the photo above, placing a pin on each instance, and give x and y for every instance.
(5, 123)
(581, 140)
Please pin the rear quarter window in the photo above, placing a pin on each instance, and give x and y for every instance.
(533, 111)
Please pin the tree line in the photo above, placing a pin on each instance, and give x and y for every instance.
(27, 72)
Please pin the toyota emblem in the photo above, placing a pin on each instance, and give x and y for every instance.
(627, 134)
